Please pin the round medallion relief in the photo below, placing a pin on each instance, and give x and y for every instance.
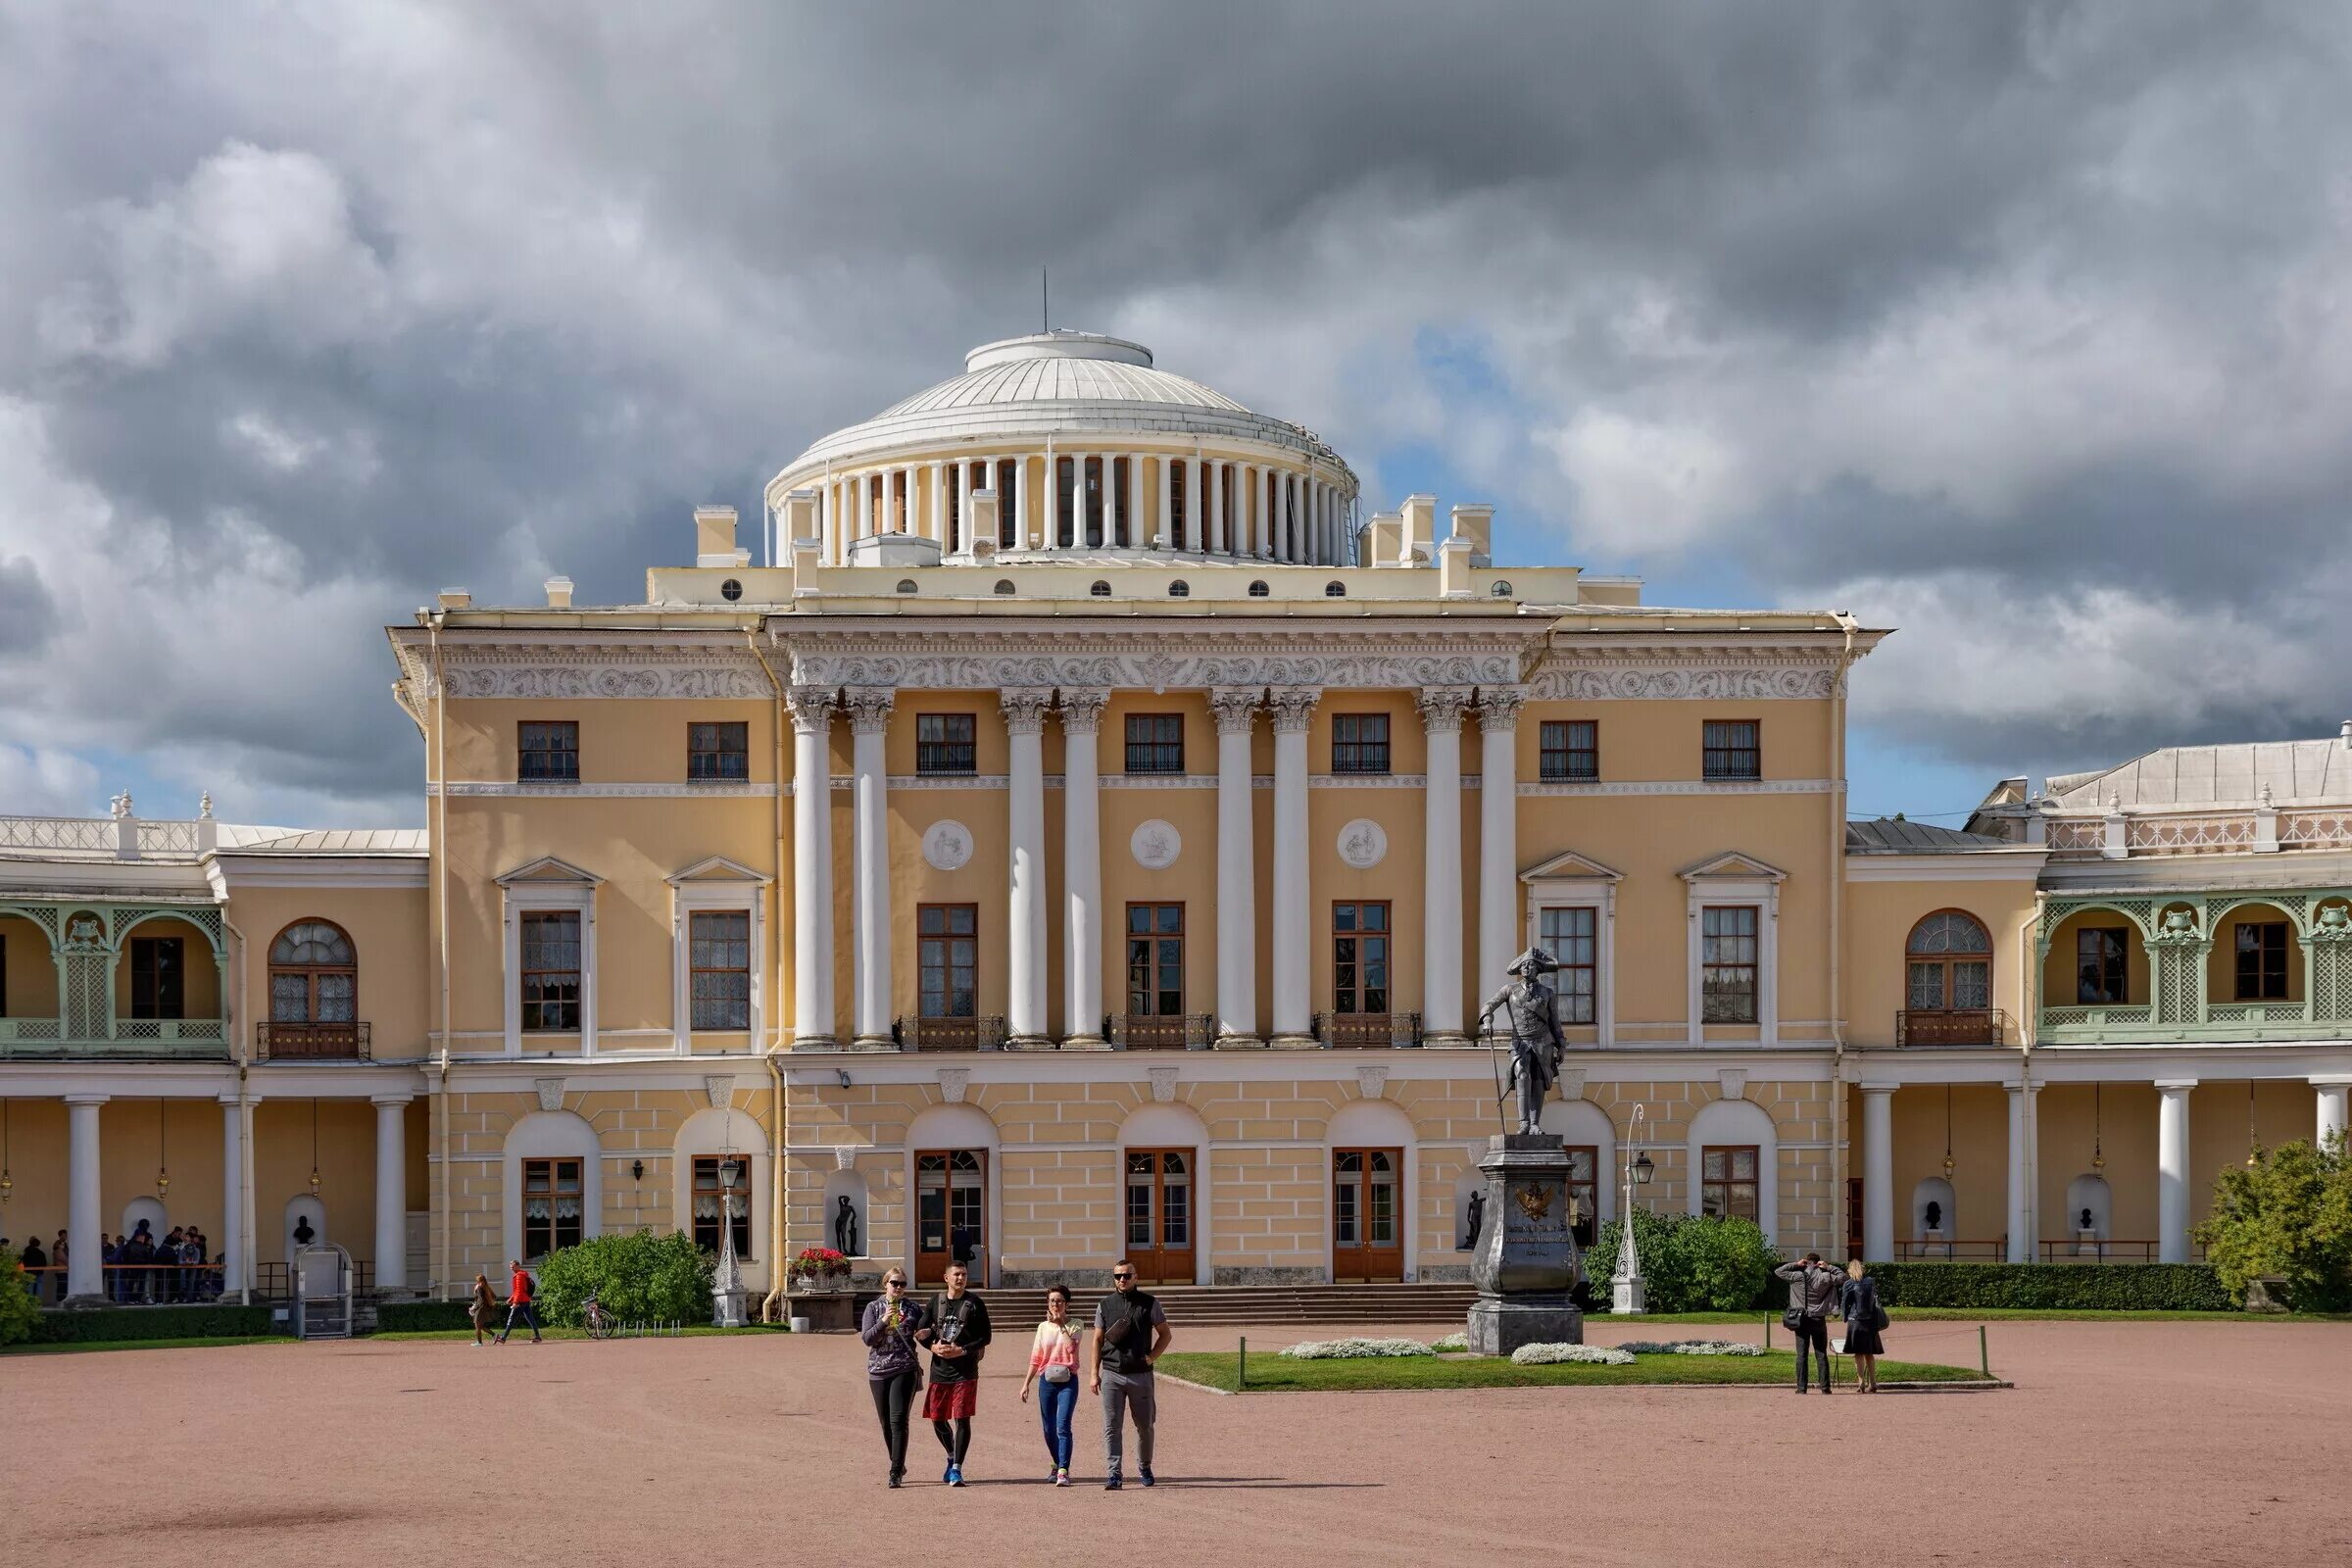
(1362, 844)
(1156, 845)
(946, 845)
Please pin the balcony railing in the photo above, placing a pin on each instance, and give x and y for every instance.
(1969, 1026)
(1996, 1250)
(312, 1042)
(1343, 1030)
(203, 1038)
(950, 1034)
(1139, 1030)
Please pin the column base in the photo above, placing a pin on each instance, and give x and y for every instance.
(815, 1043)
(1087, 1042)
(873, 1043)
(1294, 1042)
(76, 1304)
(1454, 1041)
(1239, 1043)
(1030, 1042)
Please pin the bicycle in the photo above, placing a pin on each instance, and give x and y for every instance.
(600, 1324)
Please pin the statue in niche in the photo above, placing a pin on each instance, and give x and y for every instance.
(1934, 1214)
(1531, 1009)
(2087, 1224)
(1477, 1221)
(845, 1228)
(303, 1235)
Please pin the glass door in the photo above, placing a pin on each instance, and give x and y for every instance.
(1367, 1216)
(1160, 1214)
(951, 1213)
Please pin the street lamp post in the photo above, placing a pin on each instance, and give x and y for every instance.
(1625, 1286)
(729, 1308)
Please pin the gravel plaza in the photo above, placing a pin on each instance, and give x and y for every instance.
(2131, 1443)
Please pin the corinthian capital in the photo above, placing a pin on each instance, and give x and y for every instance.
(1025, 709)
(1081, 711)
(1293, 706)
(1442, 707)
(1498, 706)
(811, 708)
(869, 709)
(1234, 710)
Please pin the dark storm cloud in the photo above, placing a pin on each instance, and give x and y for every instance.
(2016, 323)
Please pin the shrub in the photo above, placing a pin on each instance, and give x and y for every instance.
(2288, 1215)
(1690, 1264)
(1546, 1355)
(421, 1317)
(18, 1314)
(109, 1324)
(1349, 1350)
(2059, 1286)
(638, 1276)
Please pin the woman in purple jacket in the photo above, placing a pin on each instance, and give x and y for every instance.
(892, 1368)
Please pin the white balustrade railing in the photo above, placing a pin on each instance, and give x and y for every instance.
(124, 838)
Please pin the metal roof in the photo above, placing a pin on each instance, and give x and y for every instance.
(1887, 834)
(2315, 770)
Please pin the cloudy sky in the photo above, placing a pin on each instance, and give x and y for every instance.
(2022, 327)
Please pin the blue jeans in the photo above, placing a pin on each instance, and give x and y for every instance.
(1056, 1402)
(519, 1312)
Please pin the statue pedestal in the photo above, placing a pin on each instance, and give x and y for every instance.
(1526, 1266)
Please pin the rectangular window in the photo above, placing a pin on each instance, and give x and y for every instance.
(1570, 748)
(551, 971)
(1155, 960)
(947, 956)
(2100, 965)
(2262, 961)
(1567, 934)
(550, 1206)
(547, 752)
(1727, 1183)
(1728, 965)
(943, 744)
(157, 978)
(718, 947)
(1154, 743)
(1734, 748)
(708, 1209)
(719, 751)
(1360, 743)
(1359, 958)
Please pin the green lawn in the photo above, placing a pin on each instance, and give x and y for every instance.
(142, 1344)
(1271, 1374)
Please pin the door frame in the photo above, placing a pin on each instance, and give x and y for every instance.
(916, 1217)
(1331, 1218)
(1192, 1250)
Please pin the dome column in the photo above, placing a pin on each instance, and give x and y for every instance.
(1236, 873)
(1213, 474)
(1191, 504)
(1137, 539)
(1268, 501)
(1166, 537)
(1025, 991)
(1024, 522)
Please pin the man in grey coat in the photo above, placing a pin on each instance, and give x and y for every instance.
(1812, 1298)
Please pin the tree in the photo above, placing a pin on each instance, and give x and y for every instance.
(17, 1313)
(638, 1277)
(2288, 1213)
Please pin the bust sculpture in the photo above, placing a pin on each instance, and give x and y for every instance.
(1532, 1010)
(1934, 1214)
(2087, 1224)
(845, 1228)
(1477, 1220)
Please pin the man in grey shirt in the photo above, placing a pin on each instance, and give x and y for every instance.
(1124, 1321)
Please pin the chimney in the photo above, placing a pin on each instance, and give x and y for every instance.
(456, 599)
(984, 520)
(2347, 734)
(714, 538)
(1454, 558)
(558, 593)
(1417, 546)
(1381, 540)
(800, 517)
(1475, 522)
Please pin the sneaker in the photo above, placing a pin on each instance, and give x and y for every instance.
(1062, 1478)
(893, 1481)
(947, 1477)
(1111, 1485)
(1147, 1479)
(955, 1474)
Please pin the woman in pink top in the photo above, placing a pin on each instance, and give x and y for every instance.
(1054, 1363)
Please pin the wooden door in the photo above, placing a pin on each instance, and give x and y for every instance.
(1367, 1216)
(950, 1204)
(1160, 1192)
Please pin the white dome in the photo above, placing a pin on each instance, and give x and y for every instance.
(1060, 383)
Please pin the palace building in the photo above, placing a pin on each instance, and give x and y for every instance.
(1096, 832)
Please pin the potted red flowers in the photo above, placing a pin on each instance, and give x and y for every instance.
(820, 1268)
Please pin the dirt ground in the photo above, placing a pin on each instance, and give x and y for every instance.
(2132, 1442)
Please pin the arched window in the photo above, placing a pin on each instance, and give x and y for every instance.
(1257, 590)
(1180, 589)
(1950, 961)
(314, 974)
(906, 585)
(1498, 590)
(1334, 589)
(1004, 585)
(1101, 589)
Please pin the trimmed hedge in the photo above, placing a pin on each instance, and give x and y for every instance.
(104, 1324)
(2069, 1287)
(425, 1317)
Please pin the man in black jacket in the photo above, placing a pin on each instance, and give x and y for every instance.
(957, 1332)
(1131, 1330)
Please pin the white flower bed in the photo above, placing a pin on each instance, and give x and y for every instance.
(1717, 1348)
(1349, 1350)
(1545, 1355)
(1451, 1342)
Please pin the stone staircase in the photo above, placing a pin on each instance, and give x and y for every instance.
(1199, 1306)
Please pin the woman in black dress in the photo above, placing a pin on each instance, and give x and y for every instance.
(1858, 1304)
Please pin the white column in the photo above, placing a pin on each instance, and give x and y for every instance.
(1293, 707)
(1237, 523)
(938, 524)
(1213, 475)
(1025, 520)
(1442, 711)
(1191, 504)
(1266, 503)
(1050, 529)
(1237, 871)
(232, 1188)
(1877, 1171)
(1499, 914)
(869, 893)
(1078, 502)
(1166, 538)
(2172, 1170)
(391, 1192)
(964, 510)
(811, 868)
(2332, 1094)
(1025, 951)
(1139, 535)
(2021, 1241)
(1082, 868)
(86, 1262)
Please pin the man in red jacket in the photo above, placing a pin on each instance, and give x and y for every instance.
(519, 1301)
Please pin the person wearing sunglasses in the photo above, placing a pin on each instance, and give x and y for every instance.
(1131, 1330)
(1054, 1372)
(892, 1368)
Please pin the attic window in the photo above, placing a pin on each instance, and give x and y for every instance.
(1004, 585)
(1498, 590)
(1334, 589)
(906, 585)
(1101, 589)
(1257, 590)
(731, 590)
(1180, 589)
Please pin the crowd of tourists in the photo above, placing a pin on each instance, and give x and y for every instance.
(1130, 1331)
(137, 1269)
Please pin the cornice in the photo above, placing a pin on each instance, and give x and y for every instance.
(1785, 672)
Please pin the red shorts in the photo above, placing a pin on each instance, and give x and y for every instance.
(951, 1402)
